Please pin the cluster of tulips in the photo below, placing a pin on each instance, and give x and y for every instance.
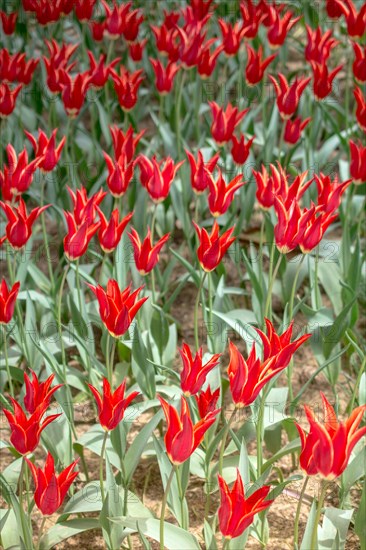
(200, 189)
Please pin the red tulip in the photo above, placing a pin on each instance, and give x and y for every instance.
(236, 512)
(84, 9)
(136, 49)
(201, 170)
(117, 308)
(206, 401)
(120, 174)
(126, 86)
(288, 96)
(330, 192)
(114, 23)
(57, 63)
(146, 254)
(231, 36)
(38, 394)
(225, 121)
(333, 9)
(277, 184)
(164, 76)
(221, 195)
(166, 41)
(99, 72)
(97, 29)
(84, 207)
(50, 488)
(182, 436)
(19, 227)
(110, 232)
(194, 372)
(294, 128)
(156, 177)
(45, 149)
(207, 59)
(74, 92)
(359, 64)
(124, 142)
(356, 21)
(240, 149)
(323, 79)
(327, 448)
(360, 108)
(212, 247)
(7, 301)
(279, 28)
(26, 431)
(8, 21)
(252, 16)
(133, 21)
(18, 174)
(112, 405)
(78, 236)
(319, 44)
(201, 8)
(358, 162)
(256, 65)
(171, 19)
(279, 345)
(190, 45)
(8, 98)
(15, 68)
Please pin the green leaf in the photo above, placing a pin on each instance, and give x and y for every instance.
(332, 534)
(66, 529)
(306, 540)
(360, 523)
(9, 530)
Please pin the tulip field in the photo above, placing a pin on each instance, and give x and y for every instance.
(183, 274)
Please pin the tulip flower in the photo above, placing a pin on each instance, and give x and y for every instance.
(360, 108)
(319, 44)
(110, 232)
(279, 345)
(194, 372)
(212, 247)
(19, 227)
(18, 174)
(207, 60)
(157, 177)
(45, 149)
(359, 64)
(236, 512)
(99, 72)
(333, 9)
(294, 128)
(38, 394)
(323, 79)
(164, 76)
(15, 68)
(277, 184)
(240, 149)
(84, 207)
(8, 298)
(146, 254)
(279, 28)
(50, 488)
(132, 24)
(120, 174)
(84, 9)
(8, 99)
(190, 45)
(136, 49)
(252, 16)
(78, 236)
(201, 8)
(97, 29)
(182, 436)
(126, 86)
(256, 65)
(288, 95)
(125, 142)
(74, 92)
(358, 162)
(201, 170)
(26, 431)
(8, 22)
(112, 405)
(327, 448)
(117, 308)
(60, 55)
(206, 401)
(330, 192)
(225, 121)
(114, 22)
(231, 36)
(166, 41)
(221, 195)
(356, 20)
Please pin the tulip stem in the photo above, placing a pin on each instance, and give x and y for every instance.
(181, 497)
(298, 510)
(177, 112)
(223, 442)
(59, 314)
(109, 356)
(196, 335)
(101, 464)
(23, 518)
(260, 432)
(77, 277)
(210, 316)
(163, 507)
(44, 231)
(40, 532)
(10, 381)
(271, 279)
(314, 536)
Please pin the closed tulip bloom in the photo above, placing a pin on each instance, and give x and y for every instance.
(194, 372)
(112, 405)
(201, 8)
(136, 49)
(117, 308)
(182, 436)
(157, 177)
(294, 128)
(45, 149)
(327, 447)
(225, 121)
(207, 60)
(8, 99)
(360, 108)
(239, 149)
(359, 64)
(84, 9)
(78, 236)
(8, 22)
(256, 65)
(206, 401)
(19, 227)
(236, 512)
(110, 232)
(323, 79)
(212, 247)
(333, 9)
(146, 254)
(221, 195)
(164, 76)
(74, 92)
(201, 170)
(126, 86)
(97, 29)
(319, 44)
(279, 28)
(8, 298)
(26, 431)
(358, 162)
(120, 174)
(288, 95)
(38, 393)
(50, 488)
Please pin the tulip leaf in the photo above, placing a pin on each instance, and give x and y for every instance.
(210, 540)
(306, 540)
(9, 530)
(66, 529)
(360, 523)
(333, 532)
(112, 507)
(354, 471)
(191, 270)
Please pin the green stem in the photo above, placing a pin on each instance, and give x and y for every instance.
(316, 289)
(211, 339)
(290, 315)
(11, 387)
(101, 464)
(259, 429)
(40, 532)
(77, 276)
(45, 237)
(223, 442)
(177, 113)
(271, 279)
(181, 497)
(59, 324)
(163, 507)
(23, 517)
(298, 510)
(314, 536)
(196, 306)
(109, 355)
